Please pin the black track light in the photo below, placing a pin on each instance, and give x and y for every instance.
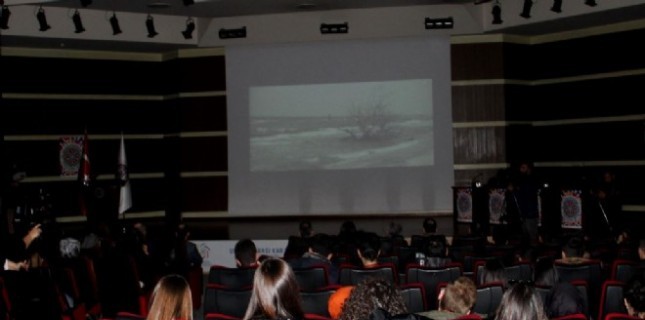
(190, 27)
(232, 33)
(557, 6)
(591, 3)
(42, 20)
(78, 24)
(114, 22)
(150, 25)
(189, 2)
(526, 9)
(86, 3)
(4, 18)
(497, 13)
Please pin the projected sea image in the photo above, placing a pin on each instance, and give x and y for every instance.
(363, 140)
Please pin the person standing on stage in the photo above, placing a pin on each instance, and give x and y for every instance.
(523, 191)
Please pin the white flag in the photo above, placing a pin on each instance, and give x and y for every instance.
(125, 196)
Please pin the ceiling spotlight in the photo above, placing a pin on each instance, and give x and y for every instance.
(114, 22)
(78, 24)
(189, 2)
(497, 13)
(4, 17)
(591, 3)
(150, 25)
(232, 33)
(526, 9)
(86, 3)
(190, 27)
(439, 23)
(557, 6)
(42, 20)
(326, 28)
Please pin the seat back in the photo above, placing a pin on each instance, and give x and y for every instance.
(620, 316)
(489, 297)
(234, 278)
(351, 275)
(414, 295)
(519, 272)
(129, 316)
(5, 303)
(583, 289)
(312, 278)
(315, 302)
(611, 298)
(226, 301)
(622, 270)
(431, 278)
(590, 272)
(575, 316)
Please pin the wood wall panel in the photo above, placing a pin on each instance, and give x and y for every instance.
(53, 116)
(203, 114)
(478, 103)
(55, 75)
(204, 194)
(204, 154)
(479, 145)
(202, 74)
(476, 61)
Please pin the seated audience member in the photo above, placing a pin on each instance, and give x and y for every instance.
(298, 245)
(370, 295)
(368, 251)
(521, 302)
(276, 294)
(319, 253)
(184, 254)
(246, 254)
(573, 252)
(563, 299)
(347, 238)
(634, 296)
(455, 300)
(171, 299)
(436, 254)
(430, 231)
(493, 272)
(337, 300)
(544, 273)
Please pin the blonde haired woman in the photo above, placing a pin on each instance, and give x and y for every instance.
(171, 299)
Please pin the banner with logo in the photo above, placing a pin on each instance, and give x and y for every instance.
(70, 151)
(571, 209)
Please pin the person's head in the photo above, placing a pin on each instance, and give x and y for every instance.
(493, 272)
(171, 299)
(544, 272)
(394, 229)
(182, 232)
(276, 294)
(429, 225)
(321, 244)
(525, 167)
(337, 301)
(305, 228)
(521, 302)
(574, 248)
(459, 296)
(347, 228)
(370, 294)
(564, 299)
(246, 254)
(634, 296)
(369, 245)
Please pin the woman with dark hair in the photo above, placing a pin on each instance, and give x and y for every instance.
(521, 302)
(276, 294)
(634, 296)
(372, 294)
(171, 299)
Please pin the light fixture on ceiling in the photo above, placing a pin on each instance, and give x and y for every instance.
(42, 20)
(326, 28)
(114, 22)
(232, 33)
(4, 17)
(150, 25)
(497, 12)
(78, 24)
(439, 23)
(189, 2)
(591, 3)
(86, 3)
(526, 9)
(557, 6)
(190, 27)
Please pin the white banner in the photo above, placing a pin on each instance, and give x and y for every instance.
(222, 252)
